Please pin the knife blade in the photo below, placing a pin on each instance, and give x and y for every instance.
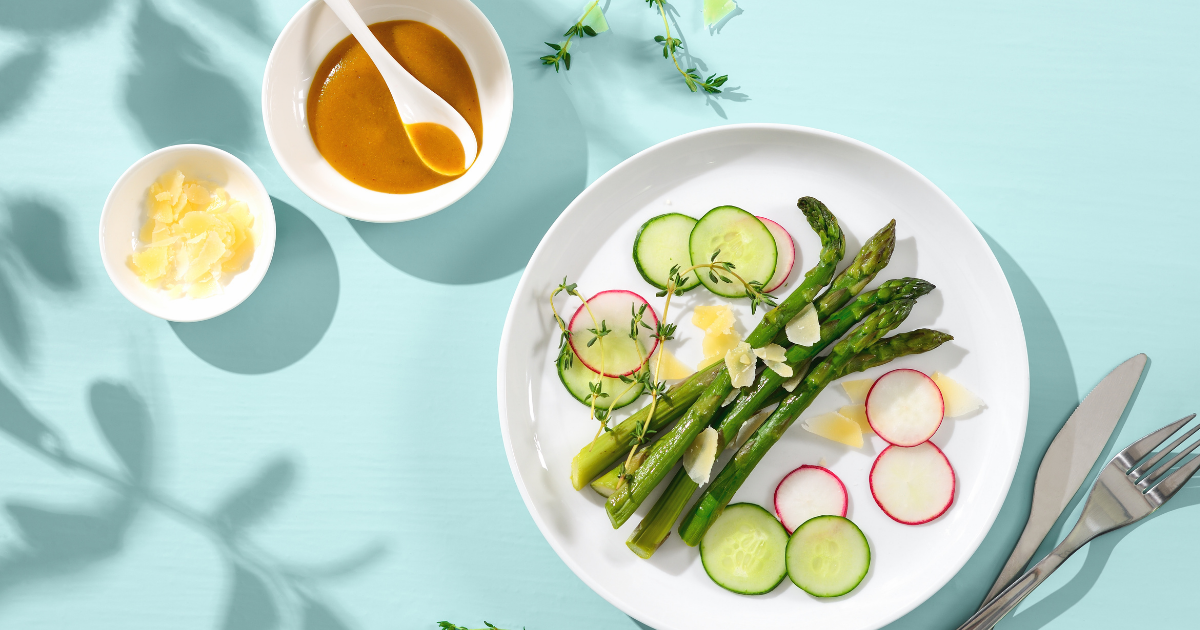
(1069, 459)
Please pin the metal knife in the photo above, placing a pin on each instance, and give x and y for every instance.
(1069, 459)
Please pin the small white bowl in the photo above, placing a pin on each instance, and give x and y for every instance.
(294, 60)
(125, 212)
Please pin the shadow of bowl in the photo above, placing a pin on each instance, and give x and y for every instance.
(286, 316)
(493, 230)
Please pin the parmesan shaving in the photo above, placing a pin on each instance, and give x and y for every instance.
(749, 427)
(771, 352)
(773, 356)
(731, 397)
(834, 426)
(958, 399)
(699, 457)
(741, 361)
(858, 413)
(779, 368)
(195, 237)
(791, 383)
(858, 390)
(719, 337)
(805, 328)
(670, 368)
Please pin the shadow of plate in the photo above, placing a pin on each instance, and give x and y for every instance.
(286, 316)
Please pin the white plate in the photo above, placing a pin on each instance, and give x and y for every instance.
(764, 169)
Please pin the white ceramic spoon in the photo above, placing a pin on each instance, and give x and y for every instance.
(420, 109)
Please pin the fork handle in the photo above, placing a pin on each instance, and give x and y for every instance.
(994, 611)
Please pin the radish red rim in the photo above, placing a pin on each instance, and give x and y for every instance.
(895, 432)
(786, 255)
(845, 496)
(949, 499)
(619, 326)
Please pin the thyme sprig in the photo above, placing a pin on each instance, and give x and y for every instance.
(718, 271)
(711, 85)
(566, 354)
(561, 55)
(562, 51)
(446, 625)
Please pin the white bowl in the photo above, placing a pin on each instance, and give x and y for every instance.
(125, 212)
(294, 60)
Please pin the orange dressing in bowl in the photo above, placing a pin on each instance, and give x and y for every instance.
(354, 122)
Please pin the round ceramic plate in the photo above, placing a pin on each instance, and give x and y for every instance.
(764, 169)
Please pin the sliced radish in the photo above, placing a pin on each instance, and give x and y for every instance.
(905, 407)
(914, 484)
(615, 310)
(806, 492)
(786, 249)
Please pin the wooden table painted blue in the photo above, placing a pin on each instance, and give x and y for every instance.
(328, 455)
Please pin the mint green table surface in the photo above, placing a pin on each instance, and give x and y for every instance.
(328, 455)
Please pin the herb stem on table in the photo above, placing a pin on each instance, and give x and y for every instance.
(711, 85)
(561, 51)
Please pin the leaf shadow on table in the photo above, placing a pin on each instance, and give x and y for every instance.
(51, 17)
(286, 316)
(19, 75)
(57, 541)
(39, 21)
(176, 94)
(1053, 395)
(33, 254)
(245, 14)
(493, 230)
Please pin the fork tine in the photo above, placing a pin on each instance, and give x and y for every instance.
(1145, 467)
(1151, 478)
(1169, 486)
(1143, 447)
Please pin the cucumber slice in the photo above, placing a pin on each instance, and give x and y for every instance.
(828, 556)
(578, 377)
(662, 243)
(742, 240)
(744, 550)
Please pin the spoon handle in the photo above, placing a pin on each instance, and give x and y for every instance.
(378, 54)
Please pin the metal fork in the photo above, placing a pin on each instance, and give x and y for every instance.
(1126, 491)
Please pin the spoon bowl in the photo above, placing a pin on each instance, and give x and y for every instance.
(432, 125)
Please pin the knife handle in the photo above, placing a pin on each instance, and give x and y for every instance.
(1027, 544)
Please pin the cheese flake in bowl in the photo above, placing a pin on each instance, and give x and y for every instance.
(196, 235)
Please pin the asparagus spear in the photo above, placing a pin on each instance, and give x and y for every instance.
(606, 449)
(611, 446)
(860, 351)
(832, 329)
(656, 525)
(669, 448)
